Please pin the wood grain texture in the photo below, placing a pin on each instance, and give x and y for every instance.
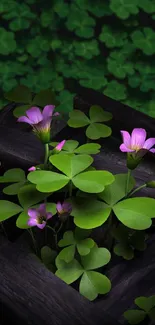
(36, 296)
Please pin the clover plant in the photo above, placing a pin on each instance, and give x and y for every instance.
(51, 48)
(67, 196)
(145, 312)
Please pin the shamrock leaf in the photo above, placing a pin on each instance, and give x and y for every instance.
(147, 305)
(128, 241)
(117, 190)
(83, 27)
(92, 283)
(95, 130)
(65, 99)
(88, 213)
(8, 209)
(112, 38)
(135, 213)
(144, 40)
(15, 175)
(124, 8)
(48, 257)
(97, 8)
(91, 181)
(120, 69)
(71, 146)
(147, 6)
(19, 24)
(20, 94)
(96, 80)
(8, 42)
(61, 8)
(73, 241)
(44, 97)
(135, 316)
(28, 196)
(115, 90)
(86, 49)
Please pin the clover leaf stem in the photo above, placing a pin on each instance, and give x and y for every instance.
(46, 154)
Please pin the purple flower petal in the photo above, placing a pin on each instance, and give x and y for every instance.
(32, 169)
(152, 150)
(123, 148)
(56, 114)
(34, 114)
(24, 119)
(49, 215)
(149, 143)
(42, 210)
(60, 145)
(126, 138)
(33, 213)
(59, 207)
(67, 207)
(32, 222)
(41, 225)
(138, 137)
(48, 111)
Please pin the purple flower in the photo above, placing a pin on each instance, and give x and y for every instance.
(63, 210)
(38, 217)
(40, 121)
(32, 169)
(60, 145)
(137, 141)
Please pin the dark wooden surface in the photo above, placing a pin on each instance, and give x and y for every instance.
(35, 296)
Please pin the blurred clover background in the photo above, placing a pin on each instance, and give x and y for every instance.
(108, 46)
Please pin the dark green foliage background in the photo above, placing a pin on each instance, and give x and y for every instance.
(107, 45)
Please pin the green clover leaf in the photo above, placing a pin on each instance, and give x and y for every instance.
(147, 305)
(48, 257)
(92, 283)
(8, 42)
(83, 27)
(135, 213)
(128, 241)
(89, 214)
(115, 90)
(112, 38)
(144, 40)
(86, 49)
(72, 241)
(117, 190)
(15, 175)
(71, 146)
(95, 130)
(124, 8)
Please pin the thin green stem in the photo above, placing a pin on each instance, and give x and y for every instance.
(55, 235)
(51, 228)
(33, 240)
(70, 188)
(46, 154)
(137, 189)
(3, 229)
(127, 181)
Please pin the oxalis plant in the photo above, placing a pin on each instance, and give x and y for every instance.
(69, 198)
